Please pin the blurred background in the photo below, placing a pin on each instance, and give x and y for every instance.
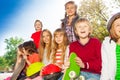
(17, 21)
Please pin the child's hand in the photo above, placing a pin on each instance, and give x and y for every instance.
(25, 57)
(79, 62)
(66, 65)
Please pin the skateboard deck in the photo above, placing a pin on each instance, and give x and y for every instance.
(74, 70)
(18, 70)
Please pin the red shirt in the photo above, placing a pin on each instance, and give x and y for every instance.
(89, 53)
(36, 38)
(34, 58)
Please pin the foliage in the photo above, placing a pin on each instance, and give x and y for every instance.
(2, 63)
(95, 12)
(8, 60)
(118, 2)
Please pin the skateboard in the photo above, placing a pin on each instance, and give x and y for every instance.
(18, 70)
(73, 71)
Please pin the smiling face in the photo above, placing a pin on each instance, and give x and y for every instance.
(116, 27)
(59, 38)
(70, 9)
(46, 37)
(83, 29)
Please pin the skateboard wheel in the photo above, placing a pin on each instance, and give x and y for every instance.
(81, 77)
(72, 74)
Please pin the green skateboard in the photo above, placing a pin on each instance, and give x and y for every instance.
(73, 71)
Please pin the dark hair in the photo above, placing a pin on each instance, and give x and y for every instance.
(30, 46)
(20, 47)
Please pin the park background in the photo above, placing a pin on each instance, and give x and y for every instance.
(17, 21)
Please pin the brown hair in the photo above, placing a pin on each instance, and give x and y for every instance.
(42, 45)
(30, 47)
(64, 45)
(110, 26)
(39, 22)
(20, 47)
(82, 20)
(70, 2)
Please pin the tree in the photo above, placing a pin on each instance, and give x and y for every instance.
(11, 48)
(96, 12)
(2, 63)
(118, 2)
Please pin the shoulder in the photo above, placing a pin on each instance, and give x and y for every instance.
(95, 40)
(35, 54)
(73, 43)
(36, 34)
(107, 41)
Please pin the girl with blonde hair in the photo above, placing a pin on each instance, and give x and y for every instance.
(60, 48)
(45, 46)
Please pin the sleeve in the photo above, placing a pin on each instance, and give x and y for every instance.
(32, 36)
(66, 54)
(104, 72)
(36, 58)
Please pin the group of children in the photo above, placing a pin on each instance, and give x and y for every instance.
(98, 61)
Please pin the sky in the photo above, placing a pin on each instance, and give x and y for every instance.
(17, 17)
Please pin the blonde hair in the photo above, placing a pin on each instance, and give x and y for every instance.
(64, 44)
(83, 20)
(42, 45)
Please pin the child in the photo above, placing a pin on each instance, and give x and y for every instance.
(19, 56)
(45, 46)
(30, 55)
(19, 72)
(60, 48)
(59, 53)
(88, 50)
(70, 17)
(36, 36)
(111, 50)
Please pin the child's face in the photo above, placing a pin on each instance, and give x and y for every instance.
(70, 9)
(82, 29)
(59, 38)
(116, 25)
(46, 37)
(38, 26)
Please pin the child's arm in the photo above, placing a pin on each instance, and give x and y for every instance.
(104, 72)
(19, 58)
(66, 65)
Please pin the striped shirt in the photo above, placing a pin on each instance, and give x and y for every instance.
(58, 58)
(117, 77)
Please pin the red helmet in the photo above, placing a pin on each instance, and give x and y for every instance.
(50, 69)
